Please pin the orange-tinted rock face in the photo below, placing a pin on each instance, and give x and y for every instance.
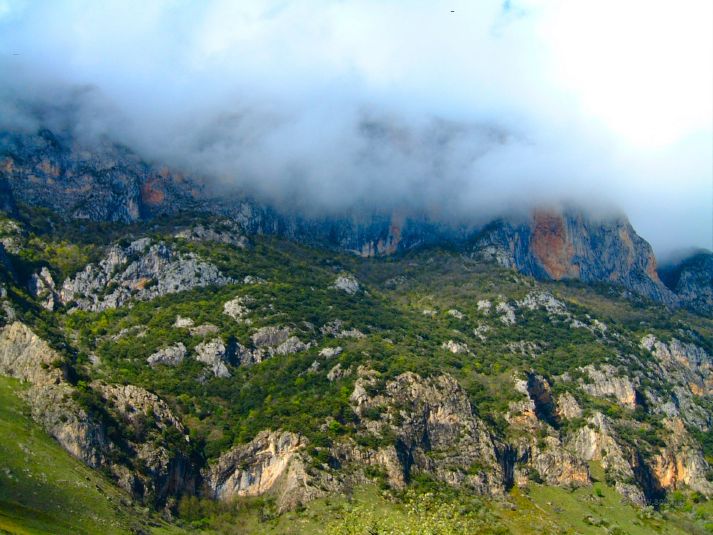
(49, 168)
(394, 236)
(7, 165)
(551, 246)
(384, 246)
(151, 193)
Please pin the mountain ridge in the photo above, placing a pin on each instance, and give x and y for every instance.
(108, 182)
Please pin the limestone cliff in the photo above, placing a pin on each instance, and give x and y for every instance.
(692, 280)
(568, 244)
(107, 182)
(152, 461)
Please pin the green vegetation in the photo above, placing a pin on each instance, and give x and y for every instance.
(409, 307)
(45, 490)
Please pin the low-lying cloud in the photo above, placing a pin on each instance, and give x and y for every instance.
(460, 110)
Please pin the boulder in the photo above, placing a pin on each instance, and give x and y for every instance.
(346, 283)
(214, 354)
(168, 356)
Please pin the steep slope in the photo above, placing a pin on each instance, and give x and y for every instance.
(45, 490)
(558, 245)
(306, 374)
(107, 182)
(692, 280)
(126, 431)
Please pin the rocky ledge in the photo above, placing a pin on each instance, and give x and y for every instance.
(141, 270)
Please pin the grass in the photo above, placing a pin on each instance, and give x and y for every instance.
(592, 510)
(43, 489)
(59, 495)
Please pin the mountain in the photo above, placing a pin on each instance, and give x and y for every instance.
(108, 182)
(218, 365)
(691, 278)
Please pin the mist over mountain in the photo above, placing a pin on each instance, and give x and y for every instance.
(463, 113)
(349, 267)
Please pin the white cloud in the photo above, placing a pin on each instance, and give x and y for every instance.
(331, 103)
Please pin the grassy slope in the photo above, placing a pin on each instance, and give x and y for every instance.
(537, 510)
(45, 490)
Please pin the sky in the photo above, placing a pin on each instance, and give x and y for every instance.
(459, 109)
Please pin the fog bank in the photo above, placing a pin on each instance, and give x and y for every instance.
(457, 109)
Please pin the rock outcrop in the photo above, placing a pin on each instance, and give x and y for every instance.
(598, 441)
(681, 463)
(162, 467)
(168, 356)
(270, 464)
(435, 428)
(346, 283)
(140, 271)
(148, 462)
(99, 181)
(237, 308)
(227, 232)
(557, 245)
(270, 336)
(454, 347)
(689, 369)
(692, 281)
(42, 287)
(268, 342)
(215, 355)
(26, 356)
(606, 381)
(537, 450)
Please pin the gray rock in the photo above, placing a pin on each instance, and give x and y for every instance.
(336, 373)
(692, 281)
(237, 308)
(481, 330)
(42, 287)
(567, 406)
(346, 283)
(454, 347)
(545, 300)
(507, 313)
(270, 336)
(227, 231)
(139, 271)
(336, 329)
(203, 329)
(214, 354)
(270, 463)
(183, 323)
(436, 428)
(291, 345)
(457, 314)
(169, 356)
(605, 381)
(484, 306)
(330, 352)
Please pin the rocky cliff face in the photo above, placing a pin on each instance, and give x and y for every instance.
(142, 270)
(272, 463)
(692, 281)
(568, 245)
(437, 431)
(101, 182)
(437, 434)
(106, 182)
(151, 460)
